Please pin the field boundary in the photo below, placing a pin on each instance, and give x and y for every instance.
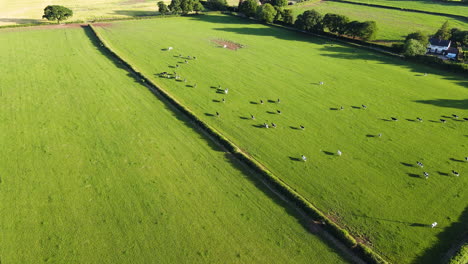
(360, 249)
(402, 9)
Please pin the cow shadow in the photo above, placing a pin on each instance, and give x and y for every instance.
(294, 158)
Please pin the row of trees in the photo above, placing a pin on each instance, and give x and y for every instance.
(180, 7)
(313, 21)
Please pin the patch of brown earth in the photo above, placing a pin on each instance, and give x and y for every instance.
(227, 44)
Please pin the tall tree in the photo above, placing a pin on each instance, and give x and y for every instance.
(310, 20)
(288, 17)
(279, 3)
(413, 47)
(267, 13)
(335, 23)
(443, 32)
(197, 7)
(248, 7)
(217, 4)
(368, 30)
(186, 6)
(57, 12)
(162, 7)
(174, 6)
(279, 13)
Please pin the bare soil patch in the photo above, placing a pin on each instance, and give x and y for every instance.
(228, 44)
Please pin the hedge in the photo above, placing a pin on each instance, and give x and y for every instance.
(461, 256)
(276, 183)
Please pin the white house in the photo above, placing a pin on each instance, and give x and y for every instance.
(438, 45)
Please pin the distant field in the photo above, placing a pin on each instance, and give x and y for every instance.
(452, 7)
(95, 169)
(31, 11)
(393, 25)
(375, 188)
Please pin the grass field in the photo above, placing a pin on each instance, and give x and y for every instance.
(452, 7)
(393, 25)
(31, 11)
(374, 188)
(95, 169)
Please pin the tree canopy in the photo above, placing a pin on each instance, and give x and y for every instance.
(248, 7)
(419, 36)
(443, 32)
(279, 3)
(217, 4)
(365, 30)
(267, 13)
(310, 20)
(335, 23)
(288, 17)
(57, 12)
(162, 8)
(174, 6)
(197, 7)
(413, 47)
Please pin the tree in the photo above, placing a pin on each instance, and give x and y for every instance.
(459, 36)
(335, 23)
(186, 6)
(197, 7)
(267, 13)
(162, 7)
(368, 30)
(288, 17)
(217, 4)
(413, 47)
(174, 6)
(248, 7)
(56, 12)
(310, 20)
(279, 3)
(443, 32)
(419, 36)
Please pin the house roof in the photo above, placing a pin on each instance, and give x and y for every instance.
(439, 42)
(452, 50)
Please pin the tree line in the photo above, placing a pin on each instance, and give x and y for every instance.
(310, 21)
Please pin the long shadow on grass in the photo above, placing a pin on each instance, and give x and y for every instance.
(449, 103)
(250, 174)
(457, 231)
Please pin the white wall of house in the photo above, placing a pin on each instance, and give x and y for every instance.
(438, 49)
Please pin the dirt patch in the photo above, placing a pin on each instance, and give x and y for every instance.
(227, 44)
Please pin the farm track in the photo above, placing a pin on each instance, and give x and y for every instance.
(309, 223)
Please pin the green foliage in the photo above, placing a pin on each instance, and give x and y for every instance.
(186, 6)
(310, 21)
(217, 4)
(267, 13)
(443, 32)
(162, 8)
(175, 7)
(419, 36)
(248, 7)
(413, 47)
(461, 257)
(279, 3)
(335, 23)
(459, 36)
(365, 30)
(288, 16)
(279, 13)
(57, 12)
(197, 6)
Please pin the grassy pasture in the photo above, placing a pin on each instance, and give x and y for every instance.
(31, 11)
(453, 7)
(95, 169)
(393, 25)
(375, 189)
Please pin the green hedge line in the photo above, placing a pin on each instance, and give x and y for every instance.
(341, 234)
(461, 256)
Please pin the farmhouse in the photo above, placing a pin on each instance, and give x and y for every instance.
(438, 45)
(451, 53)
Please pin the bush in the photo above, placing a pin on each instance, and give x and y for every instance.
(266, 13)
(217, 4)
(413, 47)
(248, 7)
(310, 21)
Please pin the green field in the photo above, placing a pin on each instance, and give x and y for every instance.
(31, 11)
(95, 169)
(452, 7)
(375, 188)
(393, 25)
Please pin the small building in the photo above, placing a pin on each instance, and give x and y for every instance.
(438, 46)
(451, 53)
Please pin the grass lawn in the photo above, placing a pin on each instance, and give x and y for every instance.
(375, 188)
(393, 25)
(452, 7)
(31, 11)
(95, 169)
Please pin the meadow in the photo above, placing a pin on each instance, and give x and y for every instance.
(452, 7)
(374, 189)
(393, 25)
(96, 169)
(31, 11)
